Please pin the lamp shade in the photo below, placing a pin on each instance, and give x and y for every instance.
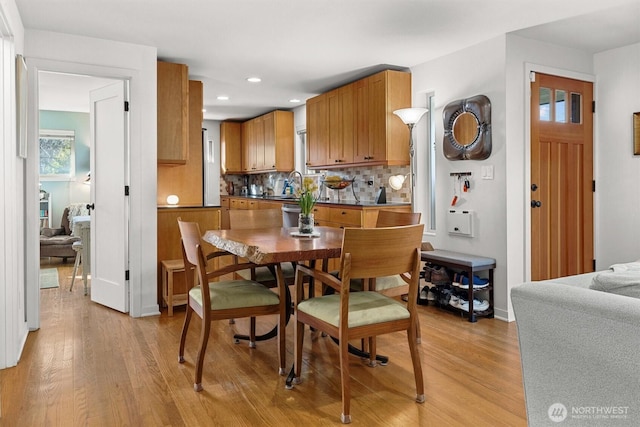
(396, 181)
(410, 116)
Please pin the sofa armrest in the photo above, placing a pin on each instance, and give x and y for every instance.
(50, 232)
(578, 347)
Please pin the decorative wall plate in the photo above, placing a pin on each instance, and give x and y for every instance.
(467, 129)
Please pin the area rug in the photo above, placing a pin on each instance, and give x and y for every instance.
(48, 278)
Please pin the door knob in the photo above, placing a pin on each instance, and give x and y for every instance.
(536, 203)
(91, 206)
(534, 187)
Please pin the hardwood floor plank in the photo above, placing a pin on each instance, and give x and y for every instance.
(90, 365)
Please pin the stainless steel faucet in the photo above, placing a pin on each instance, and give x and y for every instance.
(292, 176)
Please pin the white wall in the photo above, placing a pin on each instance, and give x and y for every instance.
(478, 70)
(83, 55)
(617, 169)
(299, 124)
(13, 327)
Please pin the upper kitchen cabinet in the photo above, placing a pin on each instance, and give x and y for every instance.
(185, 179)
(173, 113)
(340, 105)
(317, 131)
(267, 143)
(231, 147)
(356, 125)
(381, 137)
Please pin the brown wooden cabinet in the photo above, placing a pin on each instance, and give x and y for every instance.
(185, 179)
(355, 124)
(317, 131)
(230, 147)
(381, 137)
(267, 143)
(340, 104)
(173, 113)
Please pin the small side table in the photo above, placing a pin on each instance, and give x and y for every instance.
(168, 268)
(469, 264)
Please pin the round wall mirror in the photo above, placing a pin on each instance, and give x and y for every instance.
(467, 129)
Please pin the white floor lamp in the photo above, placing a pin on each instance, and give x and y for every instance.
(410, 116)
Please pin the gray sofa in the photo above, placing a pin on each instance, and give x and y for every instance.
(580, 349)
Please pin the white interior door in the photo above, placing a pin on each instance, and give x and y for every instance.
(109, 216)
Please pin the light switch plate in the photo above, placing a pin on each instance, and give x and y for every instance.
(487, 172)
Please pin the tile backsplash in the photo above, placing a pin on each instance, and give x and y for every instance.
(362, 175)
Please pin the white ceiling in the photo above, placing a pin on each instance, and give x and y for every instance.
(304, 47)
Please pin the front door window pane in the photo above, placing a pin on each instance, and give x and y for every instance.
(576, 108)
(545, 104)
(561, 106)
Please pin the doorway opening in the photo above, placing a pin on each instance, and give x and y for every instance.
(64, 118)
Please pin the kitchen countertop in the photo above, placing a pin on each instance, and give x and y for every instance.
(364, 203)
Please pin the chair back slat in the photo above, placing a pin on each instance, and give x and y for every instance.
(379, 252)
(394, 219)
(254, 218)
(190, 232)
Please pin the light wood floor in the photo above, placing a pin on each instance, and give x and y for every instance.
(89, 365)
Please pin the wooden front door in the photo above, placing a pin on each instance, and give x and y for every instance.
(561, 177)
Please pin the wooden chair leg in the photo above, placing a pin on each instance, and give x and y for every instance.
(372, 352)
(417, 367)
(345, 417)
(282, 343)
(183, 336)
(204, 339)
(298, 330)
(252, 332)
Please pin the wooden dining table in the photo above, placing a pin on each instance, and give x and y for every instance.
(276, 245)
(267, 246)
(273, 246)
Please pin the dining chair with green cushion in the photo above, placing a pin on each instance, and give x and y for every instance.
(249, 219)
(391, 286)
(356, 315)
(222, 299)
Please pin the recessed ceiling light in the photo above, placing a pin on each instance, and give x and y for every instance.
(223, 98)
(254, 79)
(294, 100)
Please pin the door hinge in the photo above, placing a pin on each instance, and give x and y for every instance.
(126, 105)
(126, 275)
(594, 265)
(532, 76)
(593, 106)
(593, 185)
(126, 190)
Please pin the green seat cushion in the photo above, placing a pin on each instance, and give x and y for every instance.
(365, 308)
(236, 294)
(264, 275)
(382, 283)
